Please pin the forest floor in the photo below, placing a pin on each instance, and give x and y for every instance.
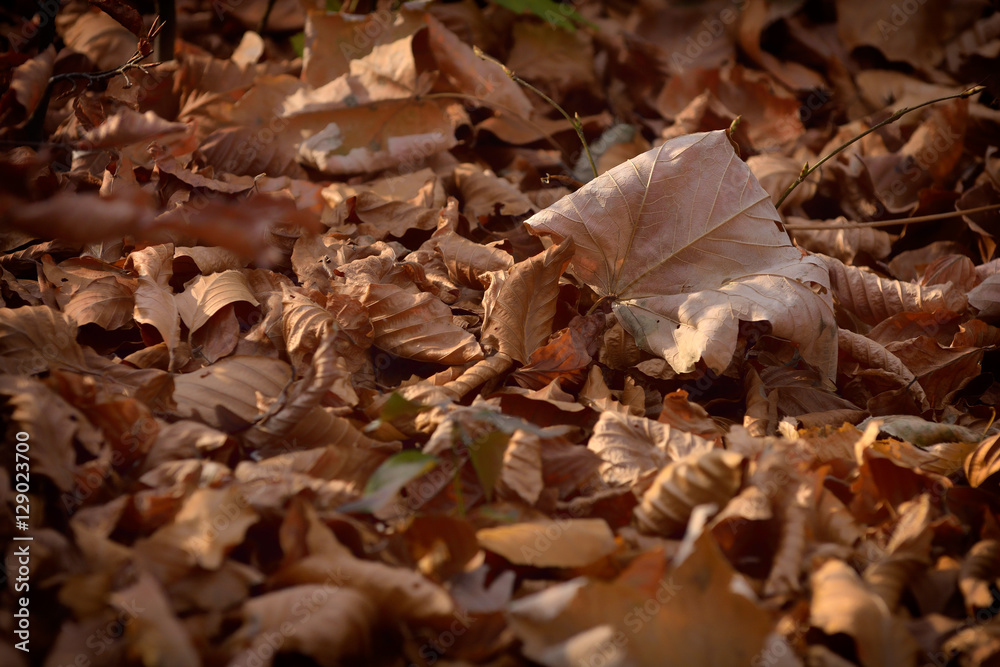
(325, 341)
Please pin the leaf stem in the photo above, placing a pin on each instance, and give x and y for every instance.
(807, 170)
(890, 223)
(574, 120)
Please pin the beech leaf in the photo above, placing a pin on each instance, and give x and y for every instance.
(686, 244)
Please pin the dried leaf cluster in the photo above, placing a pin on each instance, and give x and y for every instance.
(318, 367)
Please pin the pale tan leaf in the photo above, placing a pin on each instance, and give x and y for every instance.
(303, 324)
(522, 466)
(383, 216)
(467, 261)
(984, 463)
(873, 299)
(130, 127)
(472, 75)
(334, 624)
(232, 385)
(418, 326)
(521, 318)
(842, 604)
(35, 338)
(907, 554)
(980, 572)
(955, 269)
(154, 262)
(844, 244)
(687, 245)
(562, 543)
(986, 296)
(482, 192)
(155, 307)
(52, 424)
(206, 259)
(632, 446)
(700, 613)
(30, 79)
(870, 354)
(206, 295)
(107, 302)
(699, 478)
(155, 633)
(291, 410)
(198, 531)
(378, 136)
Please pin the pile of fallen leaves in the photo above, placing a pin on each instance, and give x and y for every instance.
(316, 364)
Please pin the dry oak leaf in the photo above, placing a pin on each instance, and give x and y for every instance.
(562, 543)
(687, 244)
(843, 604)
(699, 613)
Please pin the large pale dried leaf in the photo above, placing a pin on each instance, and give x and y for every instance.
(563, 543)
(418, 326)
(699, 478)
(521, 318)
(841, 603)
(873, 299)
(688, 245)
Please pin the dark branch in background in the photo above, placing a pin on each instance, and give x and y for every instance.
(262, 26)
(167, 11)
(33, 128)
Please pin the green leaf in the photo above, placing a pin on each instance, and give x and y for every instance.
(396, 472)
(486, 453)
(395, 406)
(298, 41)
(553, 12)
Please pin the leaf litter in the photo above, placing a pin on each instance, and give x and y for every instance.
(317, 364)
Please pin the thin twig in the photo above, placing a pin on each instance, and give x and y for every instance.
(892, 223)
(807, 170)
(574, 120)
